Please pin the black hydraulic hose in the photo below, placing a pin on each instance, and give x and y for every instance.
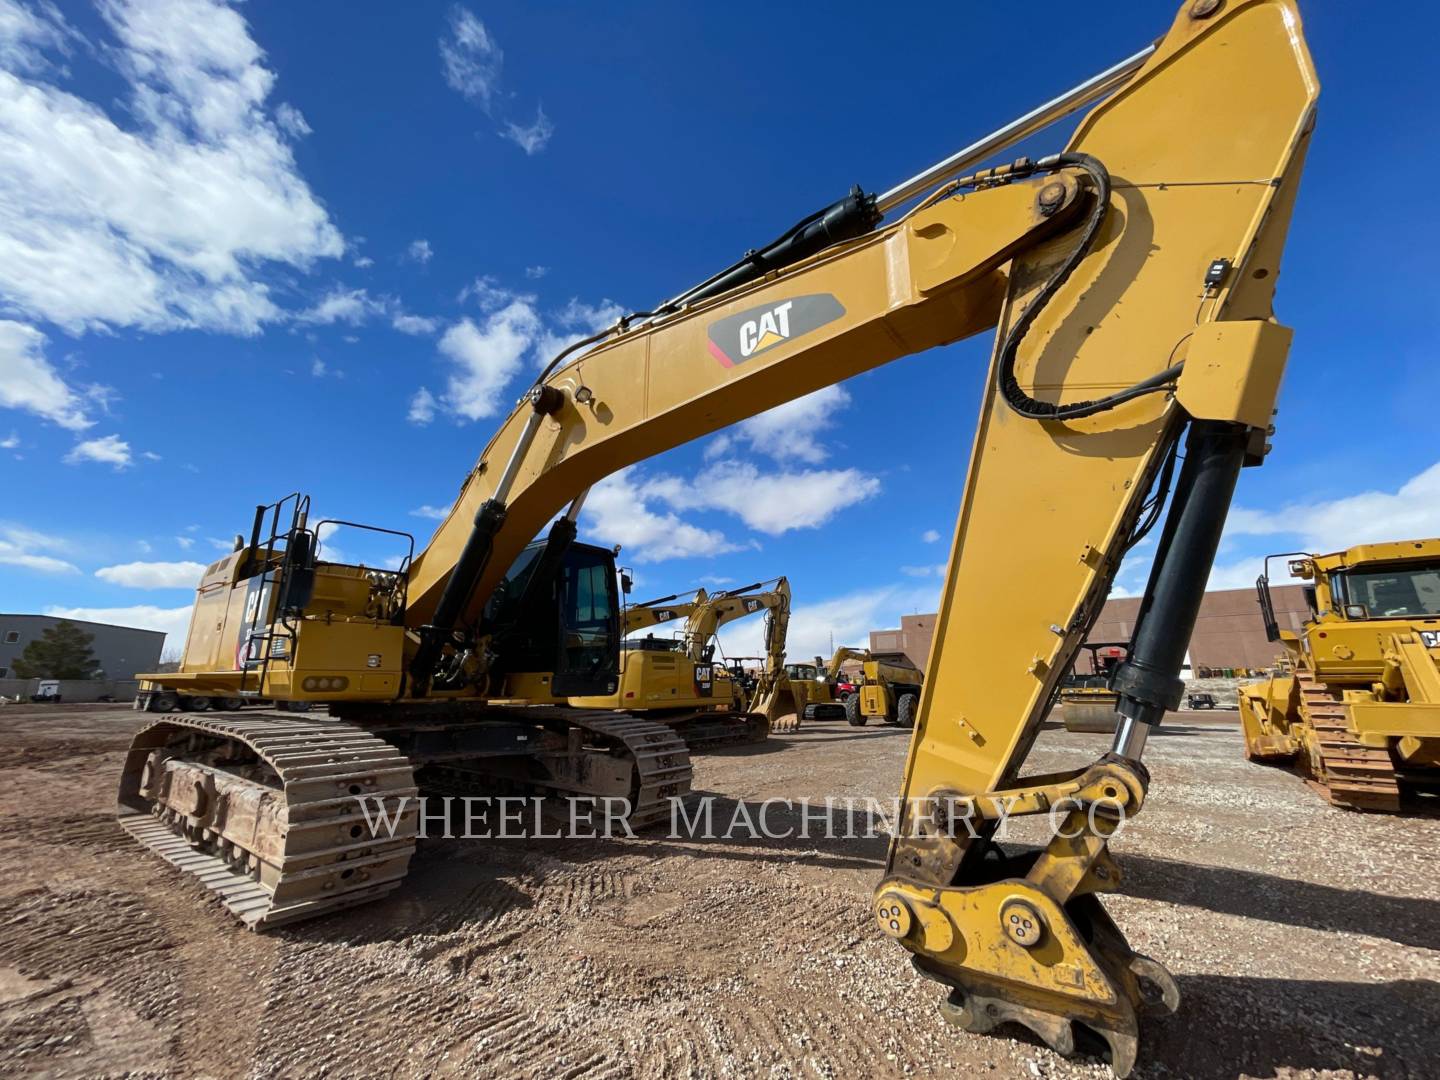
(1009, 387)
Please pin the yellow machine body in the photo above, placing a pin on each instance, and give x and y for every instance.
(889, 693)
(1154, 238)
(681, 674)
(1358, 711)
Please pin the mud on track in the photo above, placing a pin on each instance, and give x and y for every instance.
(1306, 940)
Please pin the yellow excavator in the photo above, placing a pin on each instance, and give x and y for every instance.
(1358, 711)
(823, 699)
(661, 611)
(1129, 278)
(677, 680)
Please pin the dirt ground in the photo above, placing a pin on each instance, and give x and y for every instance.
(1304, 938)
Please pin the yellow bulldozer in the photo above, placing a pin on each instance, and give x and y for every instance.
(1358, 713)
(1129, 278)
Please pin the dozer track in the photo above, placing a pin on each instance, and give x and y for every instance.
(1347, 773)
(263, 810)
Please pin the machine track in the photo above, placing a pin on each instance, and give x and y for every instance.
(263, 810)
(711, 730)
(661, 757)
(1344, 770)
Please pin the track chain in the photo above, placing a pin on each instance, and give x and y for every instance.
(1350, 773)
(275, 854)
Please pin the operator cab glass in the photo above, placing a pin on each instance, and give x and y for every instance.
(1401, 592)
(561, 619)
(801, 672)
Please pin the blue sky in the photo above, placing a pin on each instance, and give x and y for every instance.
(254, 248)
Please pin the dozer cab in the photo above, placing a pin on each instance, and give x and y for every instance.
(1129, 277)
(1359, 712)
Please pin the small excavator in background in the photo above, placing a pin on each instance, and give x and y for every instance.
(1358, 714)
(1129, 278)
(659, 612)
(677, 681)
(823, 698)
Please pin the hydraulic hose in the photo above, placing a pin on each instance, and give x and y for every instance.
(1015, 397)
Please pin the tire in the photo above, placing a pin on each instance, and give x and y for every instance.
(165, 701)
(227, 704)
(905, 711)
(194, 704)
(853, 716)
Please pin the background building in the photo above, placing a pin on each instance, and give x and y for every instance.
(1229, 632)
(121, 651)
(908, 645)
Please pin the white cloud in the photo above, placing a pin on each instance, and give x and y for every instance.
(1412, 512)
(434, 513)
(417, 325)
(27, 381)
(419, 251)
(21, 546)
(109, 450)
(340, 305)
(173, 622)
(930, 536)
(489, 295)
(185, 542)
(153, 575)
(848, 618)
(772, 503)
(363, 262)
(486, 357)
(470, 58)
(26, 33)
(10, 442)
(574, 322)
(535, 273)
(472, 61)
(163, 223)
(617, 514)
(291, 121)
(221, 545)
(788, 432)
(12, 554)
(422, 407)
(931, 570)
(317, 368)
(530, 137)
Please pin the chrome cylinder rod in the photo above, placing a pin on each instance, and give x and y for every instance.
(1090, 90)
(1130, 739)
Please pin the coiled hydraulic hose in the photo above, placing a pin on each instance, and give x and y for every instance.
(1015, 397)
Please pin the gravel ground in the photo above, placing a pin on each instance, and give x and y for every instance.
(1304, 938)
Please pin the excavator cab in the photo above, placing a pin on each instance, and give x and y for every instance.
(560, 613)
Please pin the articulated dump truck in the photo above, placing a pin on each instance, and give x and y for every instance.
(1359, 714)
(1128, 277)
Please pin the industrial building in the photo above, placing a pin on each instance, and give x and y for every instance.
(120, 651)
(1229, 632)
